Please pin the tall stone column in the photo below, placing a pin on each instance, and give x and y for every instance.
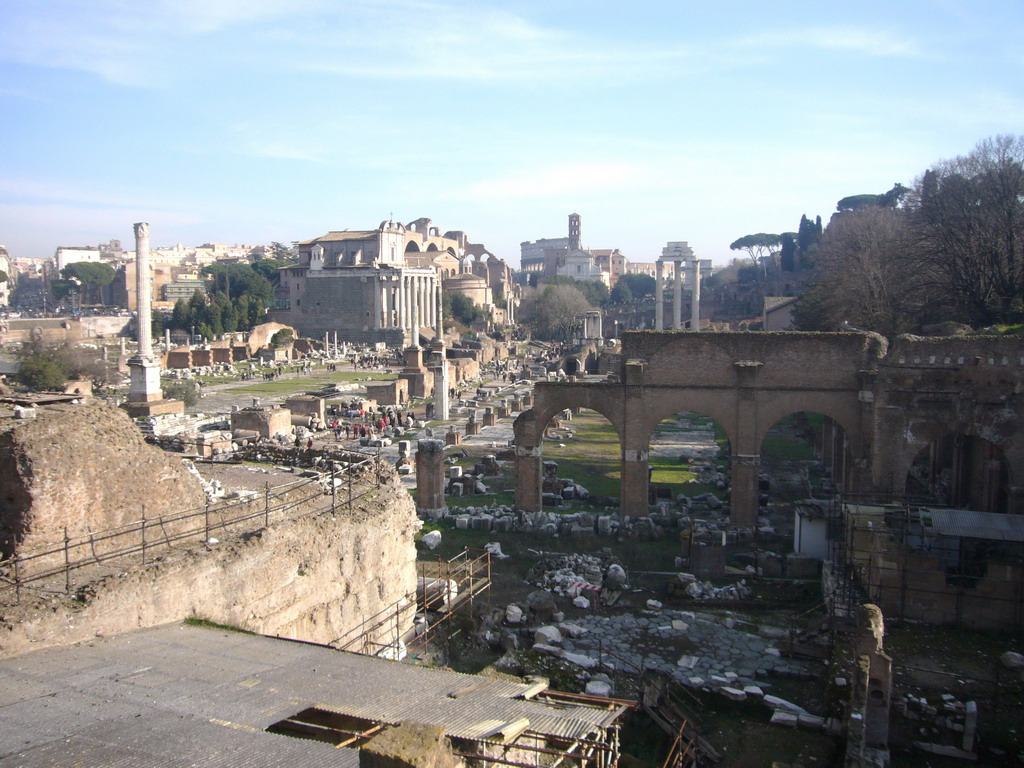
(695, 300)
(677, 297)
(659, 295)
(439, 309)
(429, 302)
(144, 303)
(439, 362)
(145, 371)
(414, 311)
(376, 313)
(400, 301)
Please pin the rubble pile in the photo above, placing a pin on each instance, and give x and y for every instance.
(565, 574)
(658, 525)
(687, 584)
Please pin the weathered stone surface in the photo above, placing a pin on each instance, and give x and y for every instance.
(309, 578)
(84, 468)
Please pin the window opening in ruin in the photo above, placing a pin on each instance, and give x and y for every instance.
(802, 456)
(330, 727)
(960, 471)
(583, 459)
(689, 456)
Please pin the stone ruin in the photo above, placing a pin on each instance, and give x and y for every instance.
(82, 468)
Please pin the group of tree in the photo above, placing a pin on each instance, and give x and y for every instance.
(552, 311)
(86, 278)
(49, 366)
(796, 250)
(950, 248)
(633, 288)
(459, 308)
(236, 301)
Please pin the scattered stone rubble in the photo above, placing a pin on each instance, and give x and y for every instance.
(658, 525)
(689, 585)
(565, 574)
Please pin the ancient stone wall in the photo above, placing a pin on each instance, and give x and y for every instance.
(312, 578)
(84, 468)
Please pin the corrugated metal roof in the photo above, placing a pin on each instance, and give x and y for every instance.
(179, 696)
(969, 524)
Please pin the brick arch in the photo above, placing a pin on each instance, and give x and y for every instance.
(550, 401)
(841, 407)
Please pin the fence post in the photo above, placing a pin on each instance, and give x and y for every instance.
(206, 521)
(351, 479)
(143, 534)
(17, 580)
(266, 505)
(334, 491)
(67, 562)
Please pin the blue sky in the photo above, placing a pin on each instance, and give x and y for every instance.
(246, 121)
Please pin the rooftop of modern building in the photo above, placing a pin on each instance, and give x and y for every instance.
(181, 695)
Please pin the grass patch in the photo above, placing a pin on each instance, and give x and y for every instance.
(308, 383)
(195, 621)
(786, 449)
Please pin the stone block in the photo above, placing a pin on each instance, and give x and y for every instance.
(547, 635)
(785, 718)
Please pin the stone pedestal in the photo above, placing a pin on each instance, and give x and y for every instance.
(145, 380)
(472, 428)
(154, 408)
(453, 438)
(430, 477)
(490, 418)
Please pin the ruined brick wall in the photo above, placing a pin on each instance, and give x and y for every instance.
(83, 467)
(312, 578)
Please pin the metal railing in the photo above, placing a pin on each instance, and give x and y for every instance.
(147, 535)
(468, 574)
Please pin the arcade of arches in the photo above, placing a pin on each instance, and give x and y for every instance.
(956, 401)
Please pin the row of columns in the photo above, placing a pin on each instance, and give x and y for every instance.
(692, 269)
(408, 302)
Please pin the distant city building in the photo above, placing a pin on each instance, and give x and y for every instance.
(582, 266)
(549, 257)
(65, 256)
(649, 268)
(7, 267)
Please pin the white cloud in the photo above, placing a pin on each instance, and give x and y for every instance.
(870, 41)
(564, 180)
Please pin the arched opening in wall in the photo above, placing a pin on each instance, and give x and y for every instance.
(432, 248)
(411, 247)
(805, 454)
(688, 461)
(572, 366)
(961, 471)
(582, 461)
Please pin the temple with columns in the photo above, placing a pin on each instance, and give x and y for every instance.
(370, 286)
